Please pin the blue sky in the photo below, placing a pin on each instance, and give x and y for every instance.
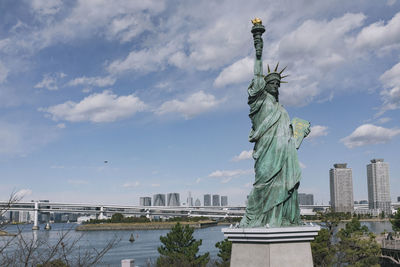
(159, 90)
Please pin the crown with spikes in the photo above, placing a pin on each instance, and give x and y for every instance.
(275, 75)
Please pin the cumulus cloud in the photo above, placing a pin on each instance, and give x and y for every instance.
(146, 60)
(50, 81)
(61, 125)
(320, 42)
(227, 175)
(243, 155)
(193, 105)
(99, 107)
(317, 131)
(384, 120)
(369, 134)
(46, 7)
(379, 35)
(93, 81)
(238, 72)
(391, 93)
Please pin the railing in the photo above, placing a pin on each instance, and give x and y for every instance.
(391, 244)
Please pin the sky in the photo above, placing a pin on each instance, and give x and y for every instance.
(109, 101)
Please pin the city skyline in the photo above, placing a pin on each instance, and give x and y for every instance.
(112, 101)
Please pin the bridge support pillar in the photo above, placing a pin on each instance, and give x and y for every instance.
(36, 217)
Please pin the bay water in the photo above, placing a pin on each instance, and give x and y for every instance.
(144, 248)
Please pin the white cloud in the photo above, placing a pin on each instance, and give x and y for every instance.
(99, 107)
(93, 81)
(193, 105)
(146, 60)
(155, 185)
(240, 71)
(61, 125)
(302, 165)
(320, 42)
(46, 7)
(368, 134)
(380, 36)
(131, 184)
(227, 175)
(23, 193)
(77, 182)
(317, 131)
(391, 94)
(50, 81)
(3, 72)
(243, 155)
(384, 120)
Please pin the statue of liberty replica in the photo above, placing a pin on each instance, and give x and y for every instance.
(273, 200)
(271, 233)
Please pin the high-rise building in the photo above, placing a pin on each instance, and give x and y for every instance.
(159, 200)
(189, 201)
(215, 201)
(306, 199)
(197, 203)
(207, 200)
(398, 199)
(145, 201)
(341, 187)
(224, 201)
(173, 199)
(378, 185)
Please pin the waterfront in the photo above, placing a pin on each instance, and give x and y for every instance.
(144, 249)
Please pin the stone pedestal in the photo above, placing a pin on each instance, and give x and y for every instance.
(270, 247)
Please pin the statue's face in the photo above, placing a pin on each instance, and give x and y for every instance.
(273, 86)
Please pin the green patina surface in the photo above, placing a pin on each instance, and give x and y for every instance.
(273, 199)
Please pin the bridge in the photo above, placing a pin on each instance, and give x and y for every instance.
(101, 210)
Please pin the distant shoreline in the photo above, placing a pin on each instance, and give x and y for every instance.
(4, 233)
(142, 226)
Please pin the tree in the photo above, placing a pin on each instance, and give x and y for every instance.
(180, 248)
(323, 250)
(225, 249)
(357, 246)
(117, 217)
(354, 245)
(396, 221)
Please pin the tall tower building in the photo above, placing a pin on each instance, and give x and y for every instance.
(378, 185)
(341, 187)
(197, 203)
(207, 200)
(189, 201)
(145, 201)
(173, 199)
(224, 201)
(215, 201)
(159, 200)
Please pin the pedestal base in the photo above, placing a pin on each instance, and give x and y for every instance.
(270, 247)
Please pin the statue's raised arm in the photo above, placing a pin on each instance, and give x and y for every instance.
(258, 82)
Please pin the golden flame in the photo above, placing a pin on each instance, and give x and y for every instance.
(256, 21)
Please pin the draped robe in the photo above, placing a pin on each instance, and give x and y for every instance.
(273, 199)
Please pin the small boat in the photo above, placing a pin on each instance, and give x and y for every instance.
(48, 226)
(132, 238)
